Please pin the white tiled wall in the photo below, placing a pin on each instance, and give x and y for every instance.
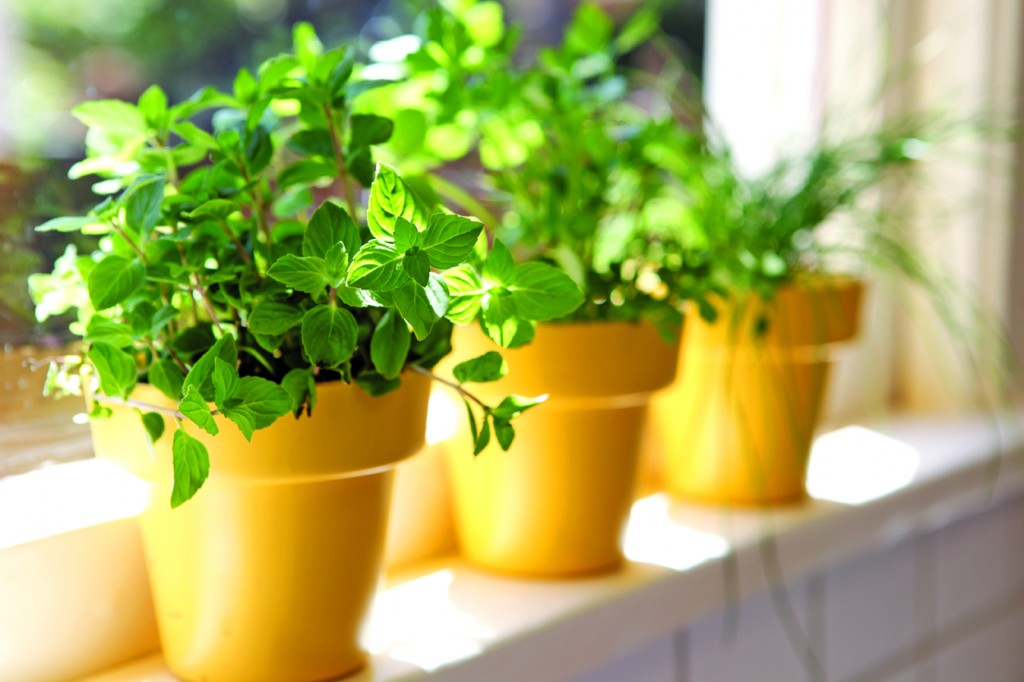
(944, 607)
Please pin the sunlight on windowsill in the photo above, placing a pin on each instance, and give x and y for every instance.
(855, 465)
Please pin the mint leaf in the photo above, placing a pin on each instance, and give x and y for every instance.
(225, 382)
(483, 438)
(300, 386)
(329, 335)
(114, 279)
(406, 235)
(214, 208)
(198, 411)
(330, 225)
(106, 330)
(542, 292)
(167, 378)
(65, 224)
(201, 374)
(257, 404)
(191, 467)
(514, 405)
(302, 273)
(467, 293)
(417, 265)
(112, 116)
(472, 420)
(499, 268)
(449, 239)
(336, 263)
(504, 432)
(142, 205)
(116, 369)
(389, 346)
(421, 306)
(391, 198)
(488, 367)
(368, 129)
(500, 319)
(375, 385)
(273, 318)
(377, 266)
(154, 425)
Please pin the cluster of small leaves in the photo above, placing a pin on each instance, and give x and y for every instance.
(565, 156)
(758, 233)
(219, 284)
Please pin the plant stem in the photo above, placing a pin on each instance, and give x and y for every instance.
(170, 352)
(128, 402)
(450, 384)
(238, 245)
(33, 364)
(124, 235)
(346, 186)
(207, 303)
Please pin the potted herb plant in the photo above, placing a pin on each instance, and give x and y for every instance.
(279, 353)
(564, 165)
(738, 425)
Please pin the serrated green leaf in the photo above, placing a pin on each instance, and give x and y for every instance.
(191, 467)
(499, 268)
(114, 279)
(257, 403)
(356, 298)
(472, 420)
(488, 367)
(449, 239)
(167, 377)
(306, 45)
(116, 369)
(201, 374)
(329, 335)
(106, 330)
(542, 292)
(417, 265)
(389, 346)
(422, 306)
(391, 198)
(406, 235)
(330, 225)
(198, 410)
(225, 382)
(272, 318)
(245, 87)
(377, 266)
(303, 273)
(336, 263)
(467, 293)
(154, 425)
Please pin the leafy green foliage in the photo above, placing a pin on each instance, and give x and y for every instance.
(225, 286)
(567, 163)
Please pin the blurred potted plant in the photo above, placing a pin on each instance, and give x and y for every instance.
(564, 163)
(738, 424)
(288, 349)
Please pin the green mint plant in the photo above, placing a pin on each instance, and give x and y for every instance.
(564, 156)
(230, 280)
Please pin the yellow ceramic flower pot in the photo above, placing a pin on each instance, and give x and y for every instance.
(737, 426)
(557, 502)
(269, 572)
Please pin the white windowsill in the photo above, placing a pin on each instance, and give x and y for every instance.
(446, 621)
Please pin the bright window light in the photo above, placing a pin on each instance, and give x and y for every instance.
(652, 537)
(855, 465)
(417, 622)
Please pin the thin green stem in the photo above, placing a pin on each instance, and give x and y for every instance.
(339, 157)
(450, 384)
